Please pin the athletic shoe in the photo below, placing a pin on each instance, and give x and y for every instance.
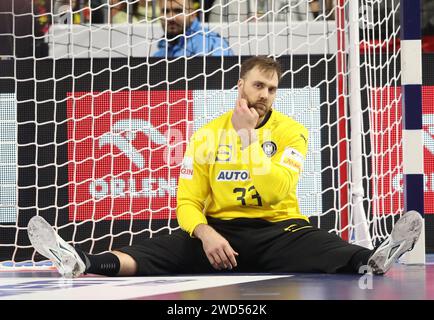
(402, 239)
(48, 243)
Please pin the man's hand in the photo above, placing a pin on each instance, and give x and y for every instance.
(244, 120)
(217, 249)
(244, 117)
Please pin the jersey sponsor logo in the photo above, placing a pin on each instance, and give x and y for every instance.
(187, 168)
(224, 153)
(292, 159)
(269, 148)
(233, 175)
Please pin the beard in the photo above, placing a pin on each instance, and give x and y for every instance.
(260, 106)
(172, 30)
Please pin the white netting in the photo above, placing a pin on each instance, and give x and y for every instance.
(101, 125)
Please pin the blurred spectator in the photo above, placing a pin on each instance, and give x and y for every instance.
(147, 10)
(120, 13)
(207, 5)
(71, 11)
(42, 17)
(98, 15)
(179, 15)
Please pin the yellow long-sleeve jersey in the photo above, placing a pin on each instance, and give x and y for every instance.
(220, 180)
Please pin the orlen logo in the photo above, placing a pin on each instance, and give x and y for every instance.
(125, 153)
(124, 142)
(233, 175)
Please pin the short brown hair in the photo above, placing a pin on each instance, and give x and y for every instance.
(263, 63)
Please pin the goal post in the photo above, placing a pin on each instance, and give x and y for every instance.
(412, 132)
(361, 234)
(93, 127)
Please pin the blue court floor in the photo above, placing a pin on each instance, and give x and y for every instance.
(409, 282)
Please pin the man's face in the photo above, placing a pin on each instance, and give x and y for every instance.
(176, 13)
(259, 89)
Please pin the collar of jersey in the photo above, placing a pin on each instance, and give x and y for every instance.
(267, 120)
(263, 125)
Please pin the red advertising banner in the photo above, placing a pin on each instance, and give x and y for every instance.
(125, 151)
(386, 130)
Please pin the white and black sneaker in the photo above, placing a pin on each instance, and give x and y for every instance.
(48, 243)
(404, 236)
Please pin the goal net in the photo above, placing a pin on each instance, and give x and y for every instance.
(93, 126)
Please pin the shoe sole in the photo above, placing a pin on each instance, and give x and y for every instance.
(45, 241)
(402, 239)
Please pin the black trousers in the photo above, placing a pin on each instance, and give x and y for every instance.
(282, 247)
